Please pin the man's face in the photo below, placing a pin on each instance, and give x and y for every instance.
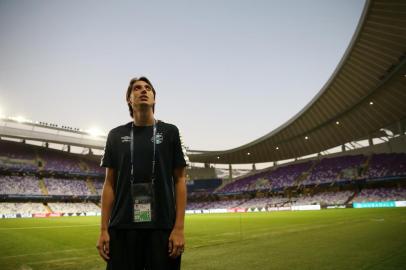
(141, 95)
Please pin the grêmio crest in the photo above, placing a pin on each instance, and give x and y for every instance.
(159, 138)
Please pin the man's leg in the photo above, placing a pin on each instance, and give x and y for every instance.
(127, 250)
(157, 251)
(136, 247)
(118, 255)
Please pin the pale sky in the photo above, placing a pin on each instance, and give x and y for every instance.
(225, 72)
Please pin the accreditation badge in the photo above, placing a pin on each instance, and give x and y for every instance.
(142, 195)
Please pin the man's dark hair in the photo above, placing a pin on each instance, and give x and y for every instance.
(130, 88)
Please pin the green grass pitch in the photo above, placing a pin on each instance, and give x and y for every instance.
(326, 239)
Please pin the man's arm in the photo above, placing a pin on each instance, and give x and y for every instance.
(107, 200)
(177, 239)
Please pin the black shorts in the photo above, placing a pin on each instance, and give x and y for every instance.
(140, 249)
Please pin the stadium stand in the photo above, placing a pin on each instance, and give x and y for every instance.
(73, 207)
(243, 184)
(22, 208)
(203, 185)
(98, 184)
(324, 198)
(326, 171)
(329, 169)
(215, 204)
(21, 157)
(274, 201)
(23, 185)
(32, 172)
(66, 187)
(380, 194)
(17, 157)
(287, 175)
(31, 176)
(93, 167)
(387, 165)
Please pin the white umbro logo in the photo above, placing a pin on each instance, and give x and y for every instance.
(125, 139)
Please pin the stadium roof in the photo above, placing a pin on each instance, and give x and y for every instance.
(51, 133)
(366, 92)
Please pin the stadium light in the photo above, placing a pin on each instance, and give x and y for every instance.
(20, 119)
(95, 132)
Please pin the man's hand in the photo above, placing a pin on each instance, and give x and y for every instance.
(103, 245)
(176, 243)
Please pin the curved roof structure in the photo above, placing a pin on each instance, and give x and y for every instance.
(366, 92)
(28, 130)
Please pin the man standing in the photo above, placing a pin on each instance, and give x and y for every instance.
(144, 193)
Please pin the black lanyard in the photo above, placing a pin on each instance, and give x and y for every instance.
(153, 155)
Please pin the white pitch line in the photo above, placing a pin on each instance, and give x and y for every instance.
(48, 227)
(77, 258)
(47, 252)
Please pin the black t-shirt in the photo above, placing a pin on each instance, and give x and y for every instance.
(169, 155)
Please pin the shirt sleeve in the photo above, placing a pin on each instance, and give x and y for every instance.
(107, 159)
(180, 158)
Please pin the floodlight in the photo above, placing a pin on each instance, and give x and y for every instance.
(20, 119)
(95, 132)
